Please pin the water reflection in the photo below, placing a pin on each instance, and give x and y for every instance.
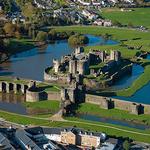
(127, 80)
(12, 103)
(112, 121)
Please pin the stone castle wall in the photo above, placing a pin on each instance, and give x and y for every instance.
(55, 78)
(54, 96)
(104, 102)
(33, 96)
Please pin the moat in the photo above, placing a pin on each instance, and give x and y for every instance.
(31, 64)
(40, 58)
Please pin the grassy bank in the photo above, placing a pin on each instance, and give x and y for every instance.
(87, 108)
(52, 105)
(138, 83)
(19, 45)
(93, 126)
(97, 126)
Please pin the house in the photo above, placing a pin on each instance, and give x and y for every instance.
(89, 14)
(107, 23)
(25, 142)
(90, 139)
(109, 144)
(68, 136)
(48, 133)
(5, 143)
(74, 136)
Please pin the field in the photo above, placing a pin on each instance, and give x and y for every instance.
(115, 33)
(114, 130)
(138, 17)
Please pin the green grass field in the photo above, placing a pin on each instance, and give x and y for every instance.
(138, 17)
(93, 109)
(109, 129)
(116, 33)
(53, 105)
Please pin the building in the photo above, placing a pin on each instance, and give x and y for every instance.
(90, 139)
(110, 144)
(5, 143)
(74, 136)
(68, 136)
(115, 55)
(25, 141)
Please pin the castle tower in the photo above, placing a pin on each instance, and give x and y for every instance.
(79, 50)
(56, 65)
(102, 56)
(71, 93)
(63, 94)
(73, 66)
(82, 67)
(115, 55)
(137, 109)
(69, 77)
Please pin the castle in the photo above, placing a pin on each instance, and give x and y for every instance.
(79, 62)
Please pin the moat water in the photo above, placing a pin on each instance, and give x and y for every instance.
(112, 121)
(31, 64)
(142, 95)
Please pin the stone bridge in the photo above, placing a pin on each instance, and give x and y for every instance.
(8, 87)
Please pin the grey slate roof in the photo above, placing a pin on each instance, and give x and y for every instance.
(40, 130)
(21, 135)
(4, 142)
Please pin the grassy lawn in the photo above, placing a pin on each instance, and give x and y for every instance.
(53, 105)
(48, 87)
(116, 33)
(140, 16)
(99, 127)
(93, 109)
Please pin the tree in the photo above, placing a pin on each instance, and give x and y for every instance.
(17, 35)
(78, 39)
(42, 36)
(130, 25)
(52, 34)
(126, 145)
(9, 28)
(29, 10)
(117, 23)
(1, 44)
